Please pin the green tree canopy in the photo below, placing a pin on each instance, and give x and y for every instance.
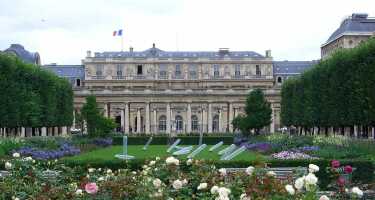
(257, 113)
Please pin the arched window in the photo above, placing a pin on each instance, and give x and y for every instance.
(215, 123)
(194, 123)
(179, 123)
(279, 79)
(162, 123)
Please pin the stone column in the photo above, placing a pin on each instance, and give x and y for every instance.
(122, 119)
(168, 130)
(147, 130)
(230, 116)
(220, 120)
(56, 130)
(23, 133)
(373, 133)
(155, 129)
(44, 131)
(188, 118)
(126, 117)
(209, 118)
(64, 131)
(74, 119)
(105, 114)
(139, 128)
(272, 128)
(204, 120)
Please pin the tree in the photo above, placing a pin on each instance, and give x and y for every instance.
(97, 125)
(257, 113)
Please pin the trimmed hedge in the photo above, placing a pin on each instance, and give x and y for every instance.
(163, 140)
(364, 172)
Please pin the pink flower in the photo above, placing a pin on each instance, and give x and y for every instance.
(341, 181)
(335, 164)
(91, 188)
(348, 169)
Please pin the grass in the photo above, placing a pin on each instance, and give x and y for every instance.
(107, 154)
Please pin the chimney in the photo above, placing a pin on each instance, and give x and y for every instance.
(153, 45)
(88, 54)
(131, 49)
(268, 54)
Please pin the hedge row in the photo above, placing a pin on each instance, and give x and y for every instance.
(364, 172)
(163, 140)
(31, 96)
(338, 92)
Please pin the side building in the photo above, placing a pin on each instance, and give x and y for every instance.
(352, 31)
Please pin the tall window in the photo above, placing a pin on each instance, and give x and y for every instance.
(194, 123)
(237, 71)
(163, 71)
(139, 70)
(215, 123)
(216, 71)
(178, 71)
(78, 82)
(193, 71)
(99, 70)
(119, 70)
(279, 79)
(162, 123)
(257, 70)
(179, 123)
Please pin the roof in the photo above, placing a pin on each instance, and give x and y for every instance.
(23, 54)
(157, 53)
(76, 71)
(357, 23)
(292, 67)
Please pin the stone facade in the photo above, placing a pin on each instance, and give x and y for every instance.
(177, 92)
(352, 31)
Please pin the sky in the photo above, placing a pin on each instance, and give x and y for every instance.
(63, 30)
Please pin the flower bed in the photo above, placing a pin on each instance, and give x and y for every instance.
(65, 149)
(291, 155)
(158, 179)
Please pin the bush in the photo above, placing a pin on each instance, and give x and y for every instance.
(364, 172)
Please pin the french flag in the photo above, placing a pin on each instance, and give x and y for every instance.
(117, 33)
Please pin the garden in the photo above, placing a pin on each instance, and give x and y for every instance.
(69, 167)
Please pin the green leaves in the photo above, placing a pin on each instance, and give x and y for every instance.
(258, 113)
(337, 92)
(31, 96)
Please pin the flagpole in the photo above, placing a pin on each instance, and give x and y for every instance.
(122, 43)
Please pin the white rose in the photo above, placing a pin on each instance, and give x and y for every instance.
(223, 171)
(271, 173)
(134, 172)
(357, 191)
(156, 183)
(28, 158)
(202, 186)
(299, 183)
(152, 162)
(290, 189)
(16, 155)
(91, 170)
(214, 189)
(313, 168)
(244, 197)
(223, 191)
(184, 182)
(157, 158)
(171, 160)
(15, 198)
(8, 165)
(101, 178)
(189, 162)
(311, 179)
(79, 192)
(323, 197)
(177, 184)
(249, 170)
(109, 171)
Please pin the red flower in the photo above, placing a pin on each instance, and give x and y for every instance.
(335, 164)
(341, 181)
(348, 169)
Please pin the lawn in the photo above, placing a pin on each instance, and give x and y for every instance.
(107, 154)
